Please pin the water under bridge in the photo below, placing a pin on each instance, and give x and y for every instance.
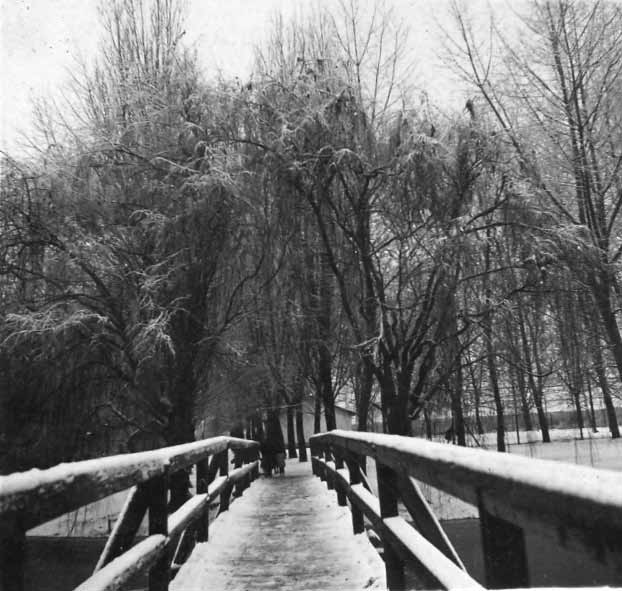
(311, 528)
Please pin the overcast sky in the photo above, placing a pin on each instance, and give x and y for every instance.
(41, 38)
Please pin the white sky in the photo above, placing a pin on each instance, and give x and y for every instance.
(40, 39)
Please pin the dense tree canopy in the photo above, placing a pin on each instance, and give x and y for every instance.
(181, 254)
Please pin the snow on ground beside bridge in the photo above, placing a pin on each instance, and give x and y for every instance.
(598, 451)
(489, 440)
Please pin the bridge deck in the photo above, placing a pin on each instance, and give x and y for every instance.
(286, 532)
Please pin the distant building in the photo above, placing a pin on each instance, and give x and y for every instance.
(344, 417)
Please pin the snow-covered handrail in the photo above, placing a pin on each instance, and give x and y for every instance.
(578, 507)
(30, 498)
(41, 495)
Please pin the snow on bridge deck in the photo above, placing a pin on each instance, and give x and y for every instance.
(286, 532)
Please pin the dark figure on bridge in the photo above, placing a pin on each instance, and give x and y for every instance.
(450, 434)
(268, 458)
(280, 462)
(273, 446)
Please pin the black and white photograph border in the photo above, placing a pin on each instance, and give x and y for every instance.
(310, 294)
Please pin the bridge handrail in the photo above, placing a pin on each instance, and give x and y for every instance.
(140, 557)
(40, 495)
(33, 497)
(576, 505)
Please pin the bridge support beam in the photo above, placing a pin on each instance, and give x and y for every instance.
(342, 500)
(358, 521)
(505, 553)
(387, 486)
(225, 495)
(12, 554)
(203, 482)
(159, 573)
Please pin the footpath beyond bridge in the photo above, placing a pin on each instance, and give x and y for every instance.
(299, 539)
(291, 533)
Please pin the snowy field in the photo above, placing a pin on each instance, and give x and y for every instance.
(596, 449)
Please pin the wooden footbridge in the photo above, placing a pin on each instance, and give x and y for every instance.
(292, 532)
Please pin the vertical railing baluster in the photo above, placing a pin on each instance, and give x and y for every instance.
(202, 488)
(330, 479)
(358, 521)
(159, 573)
(320, 465)
(342, 500)
(225, 495)
(127, 525)
(314, 454)
(387, 485)
(505, 553)
(255, 458)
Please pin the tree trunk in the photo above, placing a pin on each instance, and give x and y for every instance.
(592, 414)
(428, 423)
(477, 399)
(456, 410)
(401, 416)
(364, 391)
(599, 366)
(317, 415)
(181, 426)
(576, 398)
(517, 371)
(291, 434)
(535, 386)
(329, 414)
(602, 292)
(494, 383)
(300, 433)
(516, 425)
(456, 392)
(570, 351)
(490, 354)
(517, 375)
(325, 363)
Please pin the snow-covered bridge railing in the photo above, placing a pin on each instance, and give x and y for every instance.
(577, 507)
(30, 498)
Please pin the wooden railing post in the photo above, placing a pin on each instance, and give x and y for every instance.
(225, 495)
(505, 554)
(314, 453)
(127, 525)
(159, 573)
(358, 521)
(320, 465)
(387, 485)
(424, 519)
(202, 488)
(12, 554)
(240, 460)
(342, 500)
(330, 481)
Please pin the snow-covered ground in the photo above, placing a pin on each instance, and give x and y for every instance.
(91, 521)
(489, 440)
(596, 449)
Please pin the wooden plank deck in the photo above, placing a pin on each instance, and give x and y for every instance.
(286, 532)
